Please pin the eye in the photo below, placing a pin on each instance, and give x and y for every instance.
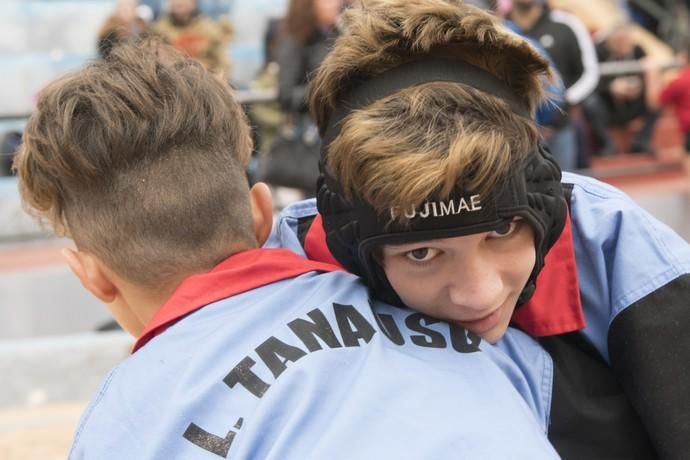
(422, 254)
(506, 229)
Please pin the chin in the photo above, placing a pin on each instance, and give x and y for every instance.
(494, 335)
(492, 338)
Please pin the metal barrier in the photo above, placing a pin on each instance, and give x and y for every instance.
(244, 96)
(255, 96)
(614, 68)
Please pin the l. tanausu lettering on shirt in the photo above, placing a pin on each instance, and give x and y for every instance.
(354, 330)
(448, 207)
(271, 356)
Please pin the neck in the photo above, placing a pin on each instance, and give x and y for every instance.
(136, 305)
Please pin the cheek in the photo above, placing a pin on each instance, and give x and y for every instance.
(530, 258)
(521, 260)
(398, 279)
(416, 295)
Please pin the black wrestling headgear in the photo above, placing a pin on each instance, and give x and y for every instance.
(354, 229)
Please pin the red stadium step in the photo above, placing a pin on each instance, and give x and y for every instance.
(27, 257)
(666, 162)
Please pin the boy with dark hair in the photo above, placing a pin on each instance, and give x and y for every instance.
(437, 191)
(244, 352)
(621, 98)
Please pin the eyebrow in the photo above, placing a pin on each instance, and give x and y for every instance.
(404, 245)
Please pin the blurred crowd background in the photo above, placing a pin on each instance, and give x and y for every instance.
(620, 111)
(604, 51)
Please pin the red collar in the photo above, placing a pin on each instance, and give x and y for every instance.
(554, 308)
(239, 273)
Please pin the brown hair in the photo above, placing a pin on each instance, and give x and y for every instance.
(425, 139)
(300, 20)
(141, 159)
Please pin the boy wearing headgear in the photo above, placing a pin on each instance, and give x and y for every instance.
(438, 192)
(244, 352)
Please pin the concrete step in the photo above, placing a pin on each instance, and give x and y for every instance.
(668, 157)
(38, 433)
(639, 164)
(58, 369)
(15, 224)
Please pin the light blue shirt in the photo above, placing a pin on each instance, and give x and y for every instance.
(307, 368)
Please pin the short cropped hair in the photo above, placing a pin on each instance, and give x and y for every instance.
(426, 139)
(140, 159)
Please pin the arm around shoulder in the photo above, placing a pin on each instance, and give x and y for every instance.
(635, 286)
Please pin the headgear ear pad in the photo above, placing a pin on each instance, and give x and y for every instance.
(354, 229)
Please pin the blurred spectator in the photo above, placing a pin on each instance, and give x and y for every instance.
(620, 98)
(570, 47)
(310, 29)
(266, 117)
(666, 19)
(552, 114)
(567, 41)
(215, 9)
(648, 14)
(9, 143)
(503, 7)
(155, 6)
(483, 4)
(676, 92)
(201, 38)
(123, 25)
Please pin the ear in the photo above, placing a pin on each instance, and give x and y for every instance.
(90, 271)
(262, 211)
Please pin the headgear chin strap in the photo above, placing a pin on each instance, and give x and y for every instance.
(354, 229)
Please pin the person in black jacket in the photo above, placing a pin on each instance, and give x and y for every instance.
(569, 45)
(567, 41)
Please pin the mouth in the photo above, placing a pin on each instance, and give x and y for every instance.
(482, 324)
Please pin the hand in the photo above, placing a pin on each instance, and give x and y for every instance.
(634, 89)
(653, 64)
(619, 88)
(626, 88)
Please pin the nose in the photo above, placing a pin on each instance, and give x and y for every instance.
(476, 285)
